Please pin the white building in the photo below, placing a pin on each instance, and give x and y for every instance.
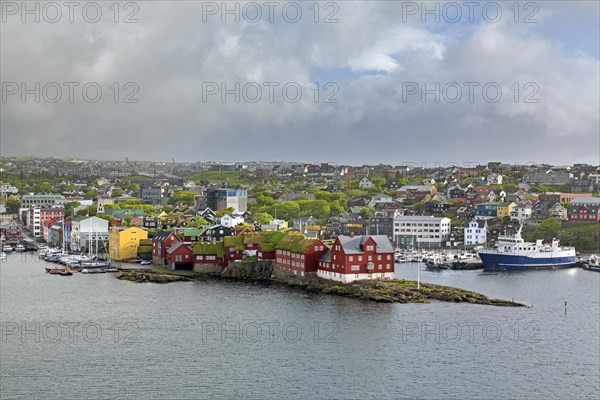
(229, 221)
(475, 232)
(365, 183)
(86, 231)
(521, 212)
(421, 231)
(380, 198)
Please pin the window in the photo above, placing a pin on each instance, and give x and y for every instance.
(359, 258)
(355, 267)
(370, 248)
(379, 257)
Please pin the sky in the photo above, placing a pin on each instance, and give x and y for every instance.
(348, 82)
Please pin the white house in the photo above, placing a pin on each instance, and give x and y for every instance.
(380, 198)
(494, 179)
(521, 212)
(229, 221)
(475, 232)
(422, 230)
(86, 232)
(365, 183)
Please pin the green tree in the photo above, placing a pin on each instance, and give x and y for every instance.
(91, 194)
(419, 206)
(265, 200)
(220, 213)
(198, 223)
(12, 205)
(548, 229)
(264, 218)
(116, 193)
(183, 197)
(70, 206)
(366, 212)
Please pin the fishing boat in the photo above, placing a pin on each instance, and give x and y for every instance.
(511, 252)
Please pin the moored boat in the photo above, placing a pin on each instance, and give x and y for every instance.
(593, 263)
(513, 253)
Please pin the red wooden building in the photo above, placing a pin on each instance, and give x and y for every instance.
(299, 254)
(180, 256)
(161, 242)
(358, 257)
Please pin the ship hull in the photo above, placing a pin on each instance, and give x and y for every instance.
(505, 262)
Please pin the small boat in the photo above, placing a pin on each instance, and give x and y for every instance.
(593, 263)
(84, 271)
(6, 248)
(20, 247)
(59, 271)
(2, 256)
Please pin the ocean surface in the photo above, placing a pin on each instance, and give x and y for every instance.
(93, 336)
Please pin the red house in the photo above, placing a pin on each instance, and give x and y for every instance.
(209, 253)
(358, 257)
(234, 248)
(585, 213)
(161, 242)
(180, 256)
(299, 254)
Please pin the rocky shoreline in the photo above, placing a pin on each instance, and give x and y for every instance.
(147, 275)
(385, 291)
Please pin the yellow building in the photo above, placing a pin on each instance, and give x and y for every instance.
(123, 242)
(504, 209)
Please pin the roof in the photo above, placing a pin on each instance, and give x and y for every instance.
(354, 245)
(234, 241)
(176, 246)
(213, 248)
(586, 200)
(326, 257)
(161, 235)
(296, 243)
(481, 223)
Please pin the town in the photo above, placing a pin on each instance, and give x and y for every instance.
(342, 223)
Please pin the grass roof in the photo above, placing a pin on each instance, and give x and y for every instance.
(296, 243)
(213, 248)
(234, 241)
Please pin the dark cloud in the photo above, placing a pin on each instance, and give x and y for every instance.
(171, 54)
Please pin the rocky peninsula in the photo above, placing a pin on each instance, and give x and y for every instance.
(387, 291)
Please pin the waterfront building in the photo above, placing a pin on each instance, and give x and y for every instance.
(180, 256)
(354, 258)
(38, 216)
(299, 254)
(421, 231)
(161, 242)
(89, 230)
(123, 242)
(475, 232)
